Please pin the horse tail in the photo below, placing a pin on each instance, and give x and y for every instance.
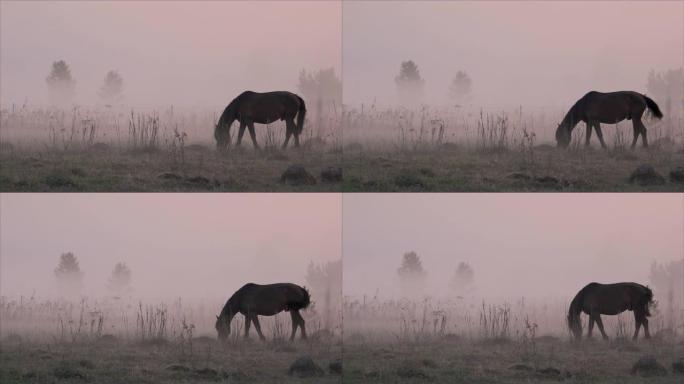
(653, 107)
(303, 302)
(647, 300)
(301, 113)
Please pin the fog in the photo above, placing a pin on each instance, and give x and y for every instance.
(181, 53)
(176, 245)
(520, 245)
(517, 53)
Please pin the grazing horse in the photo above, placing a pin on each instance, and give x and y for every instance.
(263, 108)
(595, 108)
(610, 299)
(253, 300)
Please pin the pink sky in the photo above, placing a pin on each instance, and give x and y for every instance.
(515, 242)
(517, 52)
(176, 244)
(189, 53)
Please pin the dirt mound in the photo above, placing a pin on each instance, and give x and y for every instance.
(677, 175)
(407, 180)
(409, 371)
(57, 181)
(648, 366)
(678, 366)
(335, 367)
(305, 367)
(331, 175)
(645, 174)
(297, 175)
(66, 371)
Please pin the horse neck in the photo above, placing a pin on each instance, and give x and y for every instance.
(230, 309)
(571, 119)
(228, 115)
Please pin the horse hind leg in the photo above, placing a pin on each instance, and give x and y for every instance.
(300, 322)
(289, 128)
(637, 325)
(642, 130)
(294, 324)
(644, 322)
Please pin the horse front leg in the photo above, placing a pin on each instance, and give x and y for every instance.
(252, 134)
(248, 319)
(241, 132)
(600, 327)
(255, 320)
(599, 134)
(588, 135)
(591, 327)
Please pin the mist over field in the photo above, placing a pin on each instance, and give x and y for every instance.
(191, 54)
(517, 53)
(537, 246)
(176, 245)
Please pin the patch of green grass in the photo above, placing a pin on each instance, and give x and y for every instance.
(204, 170)
(472, 170)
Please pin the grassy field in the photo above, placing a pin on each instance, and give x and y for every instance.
(201, 168)
(113, 340)
(121, 150)
(471, 150)
(453, 360)
(109, 360)
(543, 168)
(470, 341)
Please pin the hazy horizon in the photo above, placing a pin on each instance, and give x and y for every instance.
(518, 53)
(519, 245)
(181, 53)
(189, 245)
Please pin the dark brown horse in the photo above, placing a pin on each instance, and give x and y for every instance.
(595, 108)
(610, 299)
(253, 300)
(263, 108)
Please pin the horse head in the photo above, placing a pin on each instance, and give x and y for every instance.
(222, 327)
(575, 326)
(222, 136)
(562, 136)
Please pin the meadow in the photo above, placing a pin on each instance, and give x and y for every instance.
(122, 150)
(377, 149)
(469, 149)
(520, 341)
(117, 340)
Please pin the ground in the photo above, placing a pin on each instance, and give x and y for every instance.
(453, 360)
(201, 168)
(115, 361)
(543, 168)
